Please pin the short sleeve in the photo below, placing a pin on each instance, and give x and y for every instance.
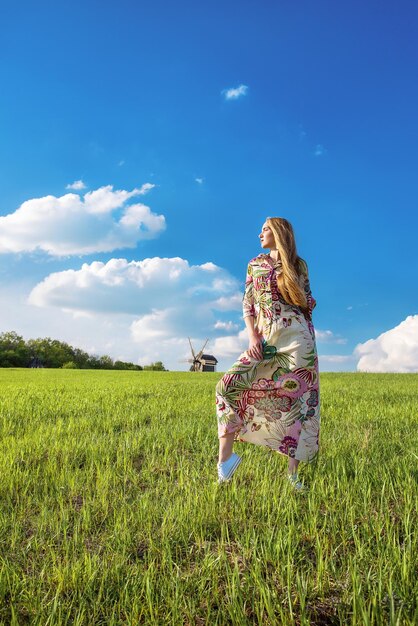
(248, 309)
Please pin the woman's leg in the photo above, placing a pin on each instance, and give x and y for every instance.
(225, 446)
(293, 475)
(293, 466)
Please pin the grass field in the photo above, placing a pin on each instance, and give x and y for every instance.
(110, 512)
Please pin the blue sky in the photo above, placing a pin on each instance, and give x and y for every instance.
(129, 94)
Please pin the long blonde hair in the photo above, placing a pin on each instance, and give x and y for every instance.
(293, 266)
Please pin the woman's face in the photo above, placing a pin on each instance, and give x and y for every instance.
(267, 237)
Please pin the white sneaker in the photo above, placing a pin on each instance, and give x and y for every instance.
(228, 467)
(295, 482)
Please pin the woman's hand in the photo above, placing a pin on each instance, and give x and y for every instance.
(255, 348)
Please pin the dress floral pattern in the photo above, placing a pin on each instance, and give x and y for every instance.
(274, 402)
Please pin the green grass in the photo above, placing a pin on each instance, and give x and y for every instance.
(110, 512)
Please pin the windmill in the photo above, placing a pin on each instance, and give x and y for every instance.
(201, 362)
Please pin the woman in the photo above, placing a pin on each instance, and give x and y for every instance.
(270, 396)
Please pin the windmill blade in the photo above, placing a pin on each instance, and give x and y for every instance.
(191, 348)
(201, 352)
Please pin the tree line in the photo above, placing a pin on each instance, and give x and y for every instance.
(47, 352)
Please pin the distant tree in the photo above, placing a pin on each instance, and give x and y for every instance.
(106, 363)
(122, 365)
(13, 350)
(47, 352)
(156, 367)
(50, 352)
(81, 358)
(93, 362)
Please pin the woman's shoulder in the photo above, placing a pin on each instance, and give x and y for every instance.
(259, 259)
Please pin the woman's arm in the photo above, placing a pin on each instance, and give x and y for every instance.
(248, 309)
(255, 346)
(255, 349)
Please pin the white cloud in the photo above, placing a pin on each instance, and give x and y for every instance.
(358, 305)
(235, 92)
(227, 326)
(231, 346)
(95, 333)
(101, 221)
(174, 352)
(145, 188)
(229, 303)
(395, 350)
(136, 287)
(161, 300)
(337, 362)
(199, 180)
(77, 185)
(319, 150)
(336, 358)
(327, 336)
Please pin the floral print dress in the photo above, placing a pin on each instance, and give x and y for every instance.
(274, 402)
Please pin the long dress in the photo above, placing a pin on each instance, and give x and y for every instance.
(274, 402)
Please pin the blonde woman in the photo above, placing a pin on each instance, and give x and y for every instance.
(270, 396)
